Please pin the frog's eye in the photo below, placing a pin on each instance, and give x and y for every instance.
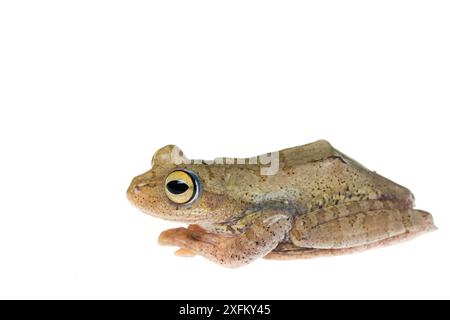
(181, 186)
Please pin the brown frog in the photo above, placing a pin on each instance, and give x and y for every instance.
(315, 201)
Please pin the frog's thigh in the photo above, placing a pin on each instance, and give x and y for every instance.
(358, 229)
(268, 229)
(308, 253)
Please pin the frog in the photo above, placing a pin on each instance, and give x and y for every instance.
(318, 202)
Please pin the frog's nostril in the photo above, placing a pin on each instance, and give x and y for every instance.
(138, 187)
(133, 189)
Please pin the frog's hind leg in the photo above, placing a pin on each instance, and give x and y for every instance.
(308, 253)
(353, 227)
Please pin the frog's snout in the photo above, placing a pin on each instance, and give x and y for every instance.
(136, 187)
(144, 193)
(131, 191)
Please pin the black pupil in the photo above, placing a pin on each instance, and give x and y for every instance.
(177, 187)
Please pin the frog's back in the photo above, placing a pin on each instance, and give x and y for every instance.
(312, 152)
(317, 175)
(311, 176)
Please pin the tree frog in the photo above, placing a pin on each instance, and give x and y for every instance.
(316, 201)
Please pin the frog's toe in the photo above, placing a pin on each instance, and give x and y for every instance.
(183, 252)
(183, 237)
(168, 237)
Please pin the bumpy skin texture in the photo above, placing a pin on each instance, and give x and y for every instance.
(320, 202)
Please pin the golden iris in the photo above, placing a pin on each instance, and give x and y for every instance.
(180, 187)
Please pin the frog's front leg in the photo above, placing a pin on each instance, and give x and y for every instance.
(359, 224)
(267, 229)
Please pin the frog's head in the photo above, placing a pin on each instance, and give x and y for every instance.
(173, 189)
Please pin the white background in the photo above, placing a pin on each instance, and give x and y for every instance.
(90, 89)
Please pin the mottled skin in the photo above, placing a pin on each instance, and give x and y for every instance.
(320, 202)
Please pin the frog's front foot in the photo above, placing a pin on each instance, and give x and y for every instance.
(191, 240)
(168, 237)
(188, 238)
(236, 250)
